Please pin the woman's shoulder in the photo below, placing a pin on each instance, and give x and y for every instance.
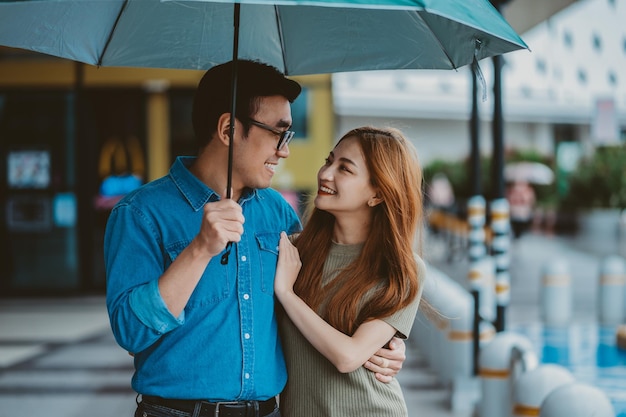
(421, 266)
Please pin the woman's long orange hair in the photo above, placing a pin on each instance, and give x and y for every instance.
(387, 255)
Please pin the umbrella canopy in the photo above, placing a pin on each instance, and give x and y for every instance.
(296, 36)
(530, 172)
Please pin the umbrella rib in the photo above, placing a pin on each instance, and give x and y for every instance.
(106, 45)
(437, 39)
(281, 38)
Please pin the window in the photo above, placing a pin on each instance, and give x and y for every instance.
(582, 76)
(597, 42)
(567, 39)
(612, 78)
(541, 65)
(28, 168)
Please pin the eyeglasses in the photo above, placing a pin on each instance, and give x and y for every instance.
(284, 136)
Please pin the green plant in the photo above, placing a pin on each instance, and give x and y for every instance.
(599, 181)
(459, 175)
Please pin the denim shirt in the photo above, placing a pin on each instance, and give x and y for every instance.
(224, 345)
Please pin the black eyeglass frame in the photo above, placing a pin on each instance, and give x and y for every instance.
(284, 136)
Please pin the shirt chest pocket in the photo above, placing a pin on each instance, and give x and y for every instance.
(268, 258)
(214, 284)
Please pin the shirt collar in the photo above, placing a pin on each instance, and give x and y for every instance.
(195, 191)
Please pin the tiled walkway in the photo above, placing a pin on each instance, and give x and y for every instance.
(59, 359)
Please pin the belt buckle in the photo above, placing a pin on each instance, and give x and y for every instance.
(220, 403)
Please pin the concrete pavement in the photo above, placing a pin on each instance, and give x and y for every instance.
(58, 357)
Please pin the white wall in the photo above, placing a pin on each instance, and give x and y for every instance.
(450, 139)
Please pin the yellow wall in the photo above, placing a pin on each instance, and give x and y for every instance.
(297, 172)
(60, 73)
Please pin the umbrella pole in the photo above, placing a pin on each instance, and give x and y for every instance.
(233, 108)
(233, 97)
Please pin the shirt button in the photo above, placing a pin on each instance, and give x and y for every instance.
(246, 296)
(243, 258)
(247, 375)
(247, 335)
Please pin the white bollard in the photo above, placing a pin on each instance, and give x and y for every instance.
(465, 390)
(500, 250)
(577, 400)
(437, 293)
(465, 386)
(422, 327)
(556, 294)
(488, 292)
(495, 373)
(460, 370)
(476, 207)
(487, 332)
(611, 291)
(460, 336)
(481, 277)
(424, 322)
(458, 307)
(533, 386)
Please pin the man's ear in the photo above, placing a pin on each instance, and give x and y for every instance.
(223, 129)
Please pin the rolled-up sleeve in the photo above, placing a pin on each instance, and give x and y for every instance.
(147, 304)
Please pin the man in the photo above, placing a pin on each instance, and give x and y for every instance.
(190, 274)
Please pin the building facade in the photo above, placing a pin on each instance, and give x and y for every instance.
(74, 139)
(569, 88)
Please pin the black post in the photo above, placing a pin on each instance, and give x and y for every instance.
(498, 188)
(498, 171)
(474, 138)
(475, 173)
(498, 131)
(476, 332)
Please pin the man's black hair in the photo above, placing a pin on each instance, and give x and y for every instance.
(254, 81)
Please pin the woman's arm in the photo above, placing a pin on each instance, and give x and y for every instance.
(347, 353)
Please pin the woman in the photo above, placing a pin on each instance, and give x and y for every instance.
(358, 283)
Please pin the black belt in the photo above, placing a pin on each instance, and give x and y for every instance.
(222, 409)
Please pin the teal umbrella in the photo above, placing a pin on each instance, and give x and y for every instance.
(296, 36)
